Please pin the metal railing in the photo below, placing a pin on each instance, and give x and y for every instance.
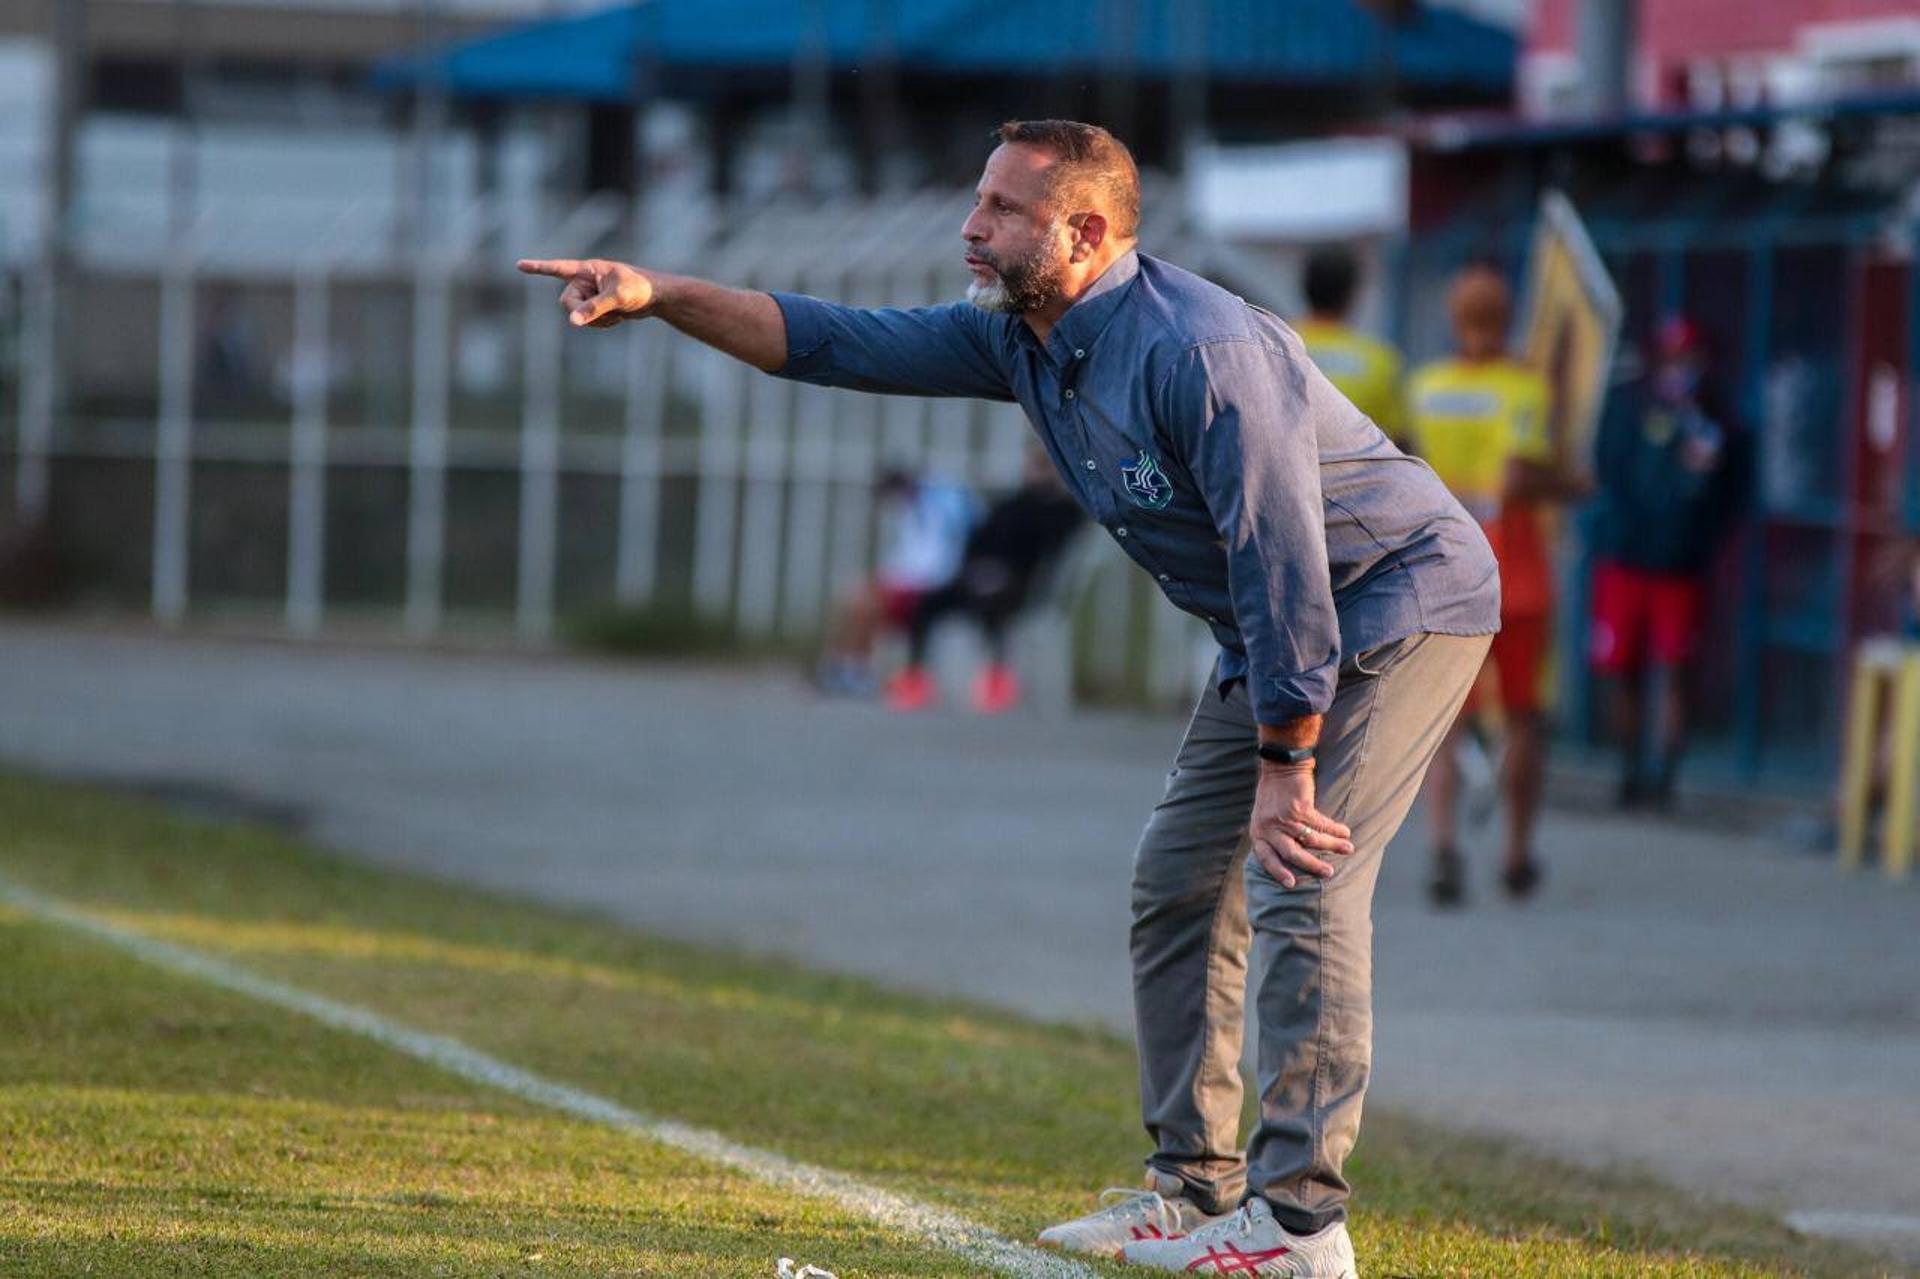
(742, 499)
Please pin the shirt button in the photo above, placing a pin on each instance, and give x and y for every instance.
(1091, 465)
(1211, 618)
(1165, 578)
(1069, 394)
(1121, 531)
(1079, 355)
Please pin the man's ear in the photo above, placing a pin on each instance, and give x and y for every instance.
(1090, 231)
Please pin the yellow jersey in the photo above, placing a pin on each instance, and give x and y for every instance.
(1468, 420)
(1364, 369)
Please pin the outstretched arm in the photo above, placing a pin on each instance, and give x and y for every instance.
(929, 350)
(745, 324)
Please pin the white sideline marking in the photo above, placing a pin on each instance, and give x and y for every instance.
(933, 1225)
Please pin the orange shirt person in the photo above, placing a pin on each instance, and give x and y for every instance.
(1480, 420)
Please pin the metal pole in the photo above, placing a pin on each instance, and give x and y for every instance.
(1606, 38)
(812, 77)
(1120, 41)
(806, 571)
(1170, 655)
(432, 324)
(649, 384)
(769, 462)
(182, 178)
(856, 450)
(307, 478)
(1910, 508)
(539, 466)
(1750, 657)
(880, 96)
(1190, 82)
(173, 439)
(39, 348)
(43, 372)
(427, 445)
(715, 532)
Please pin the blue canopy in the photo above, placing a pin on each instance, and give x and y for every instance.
(1272, 42)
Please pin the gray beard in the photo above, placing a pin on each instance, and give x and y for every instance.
(1019, 287)
(990, 297)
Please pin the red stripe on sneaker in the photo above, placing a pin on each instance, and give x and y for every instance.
(1228, 1259)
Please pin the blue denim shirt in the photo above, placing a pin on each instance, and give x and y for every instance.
(1194, 428)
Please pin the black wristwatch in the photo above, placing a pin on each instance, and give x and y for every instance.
(1275, 753)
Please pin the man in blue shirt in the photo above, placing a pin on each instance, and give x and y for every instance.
(1352, 598)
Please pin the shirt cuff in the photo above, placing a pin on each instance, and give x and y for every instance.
(1278, 699)
(807, 334)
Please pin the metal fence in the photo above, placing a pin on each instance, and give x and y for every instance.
(420, 441)
(1814, 320)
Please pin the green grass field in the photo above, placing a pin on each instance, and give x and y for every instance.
(151, 1125)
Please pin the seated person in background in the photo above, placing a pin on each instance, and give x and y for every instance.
(1669, 462)
(1020, 536)
(1364, 369)
(925, 523)
(1480, 420)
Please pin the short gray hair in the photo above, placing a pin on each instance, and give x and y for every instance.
(1089, 162)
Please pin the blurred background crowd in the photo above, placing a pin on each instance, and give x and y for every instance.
(263, 360)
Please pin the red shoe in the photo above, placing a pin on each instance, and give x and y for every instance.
(996, 690)
(912, 690)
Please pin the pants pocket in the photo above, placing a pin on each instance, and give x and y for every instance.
(1375, 661)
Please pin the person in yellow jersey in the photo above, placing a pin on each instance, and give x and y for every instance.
(1480, 420)
(1364, 369)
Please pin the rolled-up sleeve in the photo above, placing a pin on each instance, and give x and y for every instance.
(934, 350)
(1238, 413)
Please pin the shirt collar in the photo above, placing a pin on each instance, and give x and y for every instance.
(1088, 317)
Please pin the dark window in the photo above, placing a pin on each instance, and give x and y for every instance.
(146, 85)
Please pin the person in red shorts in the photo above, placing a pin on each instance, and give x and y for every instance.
(925, 524)
(1670, 467)
(1480, 420)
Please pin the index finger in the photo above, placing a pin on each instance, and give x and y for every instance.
(558, 268)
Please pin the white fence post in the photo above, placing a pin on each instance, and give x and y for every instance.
(173, 441)
(307, 454)
(37, 356)
(539, 463)
(813, 481)
(427, 444)
(544, 383)
(1170, 654)
(768, 469)
(1112, 591)
(722, 404)
(649, 390)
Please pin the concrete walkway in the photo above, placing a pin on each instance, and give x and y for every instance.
(1701, 1004)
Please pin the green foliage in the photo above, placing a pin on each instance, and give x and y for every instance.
(666, 631)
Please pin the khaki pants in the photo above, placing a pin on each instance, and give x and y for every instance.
(1198, 899)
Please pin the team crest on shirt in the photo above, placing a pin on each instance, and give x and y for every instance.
(1146, 483)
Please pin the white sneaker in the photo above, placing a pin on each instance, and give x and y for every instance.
(1161, 1211)
(1251, 1242)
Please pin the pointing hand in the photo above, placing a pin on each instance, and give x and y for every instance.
(598, 292)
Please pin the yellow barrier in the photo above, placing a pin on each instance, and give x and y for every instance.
(1884, 670)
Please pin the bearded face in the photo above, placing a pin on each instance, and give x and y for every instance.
(1022, 281)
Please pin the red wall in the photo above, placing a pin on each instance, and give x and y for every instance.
(1706, 28)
